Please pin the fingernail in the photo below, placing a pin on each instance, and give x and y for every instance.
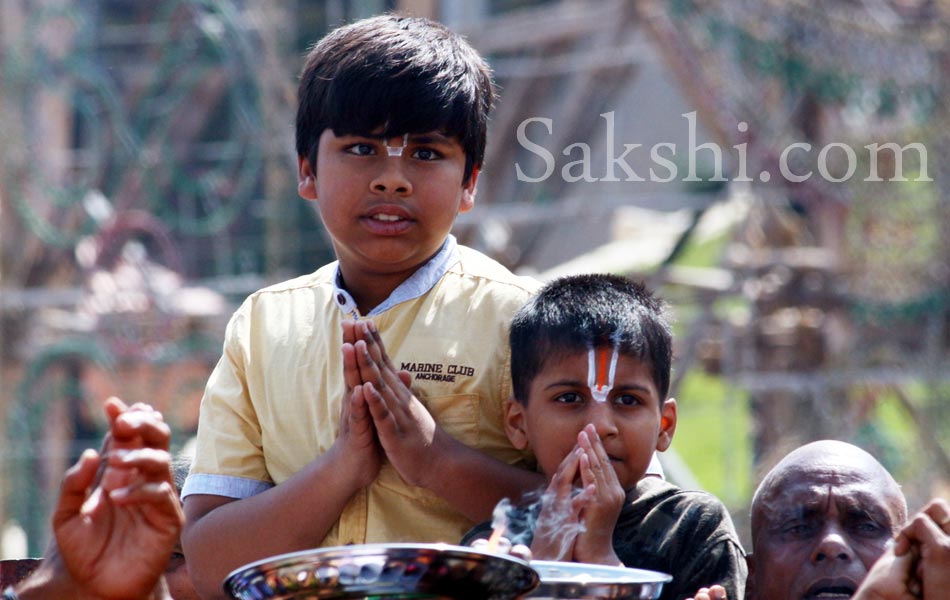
(122, 454)
(119, 493)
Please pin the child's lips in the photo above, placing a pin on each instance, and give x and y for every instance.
(387, 220)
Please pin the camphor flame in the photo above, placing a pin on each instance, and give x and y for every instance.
(499, 523)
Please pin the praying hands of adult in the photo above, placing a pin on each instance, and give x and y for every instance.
(118, 516)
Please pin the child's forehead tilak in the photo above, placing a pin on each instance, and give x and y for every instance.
(601, 370)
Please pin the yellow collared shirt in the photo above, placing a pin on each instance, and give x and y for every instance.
(273, 402)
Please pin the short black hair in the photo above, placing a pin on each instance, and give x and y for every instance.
(574, 313)
(393, 75)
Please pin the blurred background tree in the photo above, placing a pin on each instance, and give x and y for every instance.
(147, 184)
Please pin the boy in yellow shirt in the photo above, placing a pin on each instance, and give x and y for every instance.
(309, 434)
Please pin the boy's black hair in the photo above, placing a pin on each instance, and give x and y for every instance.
(399, 75)
(572, 314)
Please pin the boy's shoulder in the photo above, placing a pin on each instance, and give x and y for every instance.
(474, 265)
(655, 494)
(686, 533)
(657, 508)
(322, 276)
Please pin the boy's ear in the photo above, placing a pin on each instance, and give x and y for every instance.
(515, 425)
(667, 424)
(306, 179)
(468, 191)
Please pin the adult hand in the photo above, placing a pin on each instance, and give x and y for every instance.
(888, 579)
(603, 501)
(929, 533)
(918, 565)
(115, 535)
(716, 592)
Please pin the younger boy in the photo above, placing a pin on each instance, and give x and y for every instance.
(590, 365)
(309, 434)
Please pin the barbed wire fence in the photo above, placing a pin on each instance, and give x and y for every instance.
(152, 150)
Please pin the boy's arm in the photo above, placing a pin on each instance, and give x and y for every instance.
(222, 533)
(421, 451)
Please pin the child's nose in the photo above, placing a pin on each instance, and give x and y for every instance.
(602, 417)
(391, 178)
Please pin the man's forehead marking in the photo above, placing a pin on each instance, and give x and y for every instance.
(810, 496)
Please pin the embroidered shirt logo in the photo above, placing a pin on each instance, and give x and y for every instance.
(437, 371)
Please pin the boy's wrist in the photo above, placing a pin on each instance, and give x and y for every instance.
(442, 450)
(605, 555)
(351, 473)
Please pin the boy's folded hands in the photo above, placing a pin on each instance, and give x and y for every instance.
(604, 499)
(357, 440)
(559, 519)
(404, 428)
(578, 526)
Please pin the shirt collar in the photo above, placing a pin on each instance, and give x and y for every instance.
(416, 285)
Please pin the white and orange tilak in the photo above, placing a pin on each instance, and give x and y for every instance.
(601, 371)
(397, 150)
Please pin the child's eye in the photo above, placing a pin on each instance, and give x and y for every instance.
(626, 400)
(426, 154)
(569, 398)
(361, 149)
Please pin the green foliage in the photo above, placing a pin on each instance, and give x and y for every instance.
(713, 436)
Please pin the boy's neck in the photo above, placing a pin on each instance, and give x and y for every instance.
(369, 290)
(370, 287)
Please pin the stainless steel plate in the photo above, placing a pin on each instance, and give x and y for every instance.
(384, 571)
(579, 580)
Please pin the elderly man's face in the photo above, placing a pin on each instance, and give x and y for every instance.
(817, 530)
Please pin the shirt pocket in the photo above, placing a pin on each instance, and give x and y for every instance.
(457, 414)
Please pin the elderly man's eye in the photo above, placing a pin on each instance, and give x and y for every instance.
(797, 528)
(868, 527)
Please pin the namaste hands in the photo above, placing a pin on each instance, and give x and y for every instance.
(381, 415)
(579, 526)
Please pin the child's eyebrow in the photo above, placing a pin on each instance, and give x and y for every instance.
(565, 383)
(632, 387)
(430, 138)
(420, 138)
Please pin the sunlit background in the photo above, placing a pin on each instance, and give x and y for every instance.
(147, 179)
